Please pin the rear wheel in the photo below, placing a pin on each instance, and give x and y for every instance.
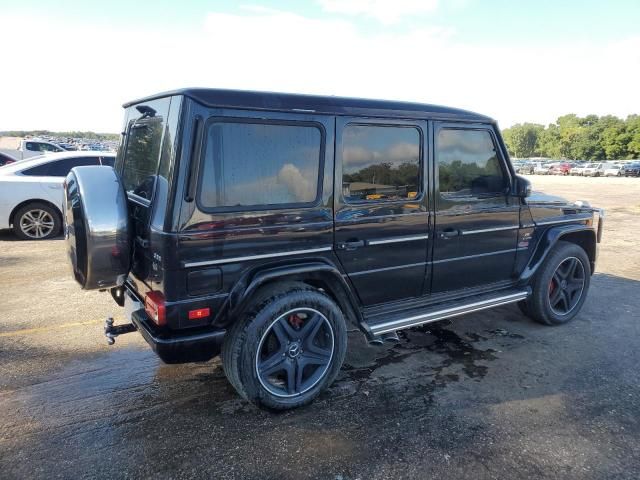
(286, 348)
(560, 287)
(36, 221)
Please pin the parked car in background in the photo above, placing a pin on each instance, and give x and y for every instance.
(39, 146)
(562, 168)
(578, 169)
(613, 170)
(6, 159)
(594, 170)
(632, 170)
(524, 167)
(541, 168)
(69, 147)
(31, 192)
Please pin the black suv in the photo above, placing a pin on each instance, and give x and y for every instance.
(263, 226)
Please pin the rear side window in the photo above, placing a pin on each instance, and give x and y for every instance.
(60, 168)
(468, 163)
(257, 164)
(141, 153)
(380, 163)
(108, 161)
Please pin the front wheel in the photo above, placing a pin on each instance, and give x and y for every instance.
(287, 348)
(561, 285)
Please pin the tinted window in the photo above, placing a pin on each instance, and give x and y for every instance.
(60, 168)
(468, 163)
(141, 154)
(380, 163)
(109, 161)
(260, 164)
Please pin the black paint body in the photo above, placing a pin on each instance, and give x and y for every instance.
(370, 257)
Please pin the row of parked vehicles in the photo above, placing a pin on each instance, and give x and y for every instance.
(583, 169)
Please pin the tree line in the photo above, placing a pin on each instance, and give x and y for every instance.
(577, 138)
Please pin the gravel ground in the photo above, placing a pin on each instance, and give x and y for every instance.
(489, 395)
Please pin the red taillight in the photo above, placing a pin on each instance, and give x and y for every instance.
(154, 306)
(199, 313)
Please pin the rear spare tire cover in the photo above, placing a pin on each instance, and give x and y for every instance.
(97, 227)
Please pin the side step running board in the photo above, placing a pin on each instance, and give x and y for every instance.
(433, 315)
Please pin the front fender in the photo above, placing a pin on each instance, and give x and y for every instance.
(550, 238)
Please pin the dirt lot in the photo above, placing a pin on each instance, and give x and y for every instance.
(490, 395)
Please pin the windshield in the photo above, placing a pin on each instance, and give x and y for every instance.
(141, 144)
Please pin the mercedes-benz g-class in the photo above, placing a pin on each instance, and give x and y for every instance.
(262, 226)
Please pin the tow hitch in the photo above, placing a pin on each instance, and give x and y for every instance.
(111, 331)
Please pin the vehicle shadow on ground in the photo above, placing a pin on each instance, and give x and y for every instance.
(7, 235)
(454, 397)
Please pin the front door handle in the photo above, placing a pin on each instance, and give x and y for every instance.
(351, 244)
(448, 233)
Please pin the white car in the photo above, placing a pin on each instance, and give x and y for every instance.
(614, 170)
(594, 170)
(578, 169)
(31, 191)
(541, 168)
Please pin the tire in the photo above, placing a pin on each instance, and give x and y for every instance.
(37, 221)
(263, 347)
(98, 233)
(567, 293)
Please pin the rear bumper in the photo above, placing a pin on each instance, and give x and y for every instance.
(179, 348)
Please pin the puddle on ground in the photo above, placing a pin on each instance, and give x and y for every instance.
(452, 356)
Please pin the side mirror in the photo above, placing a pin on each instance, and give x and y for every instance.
(523, 187)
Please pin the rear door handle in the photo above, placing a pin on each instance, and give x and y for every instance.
(351, 244)
(448, 233)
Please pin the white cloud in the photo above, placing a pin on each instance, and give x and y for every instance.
(385, 11)
(71, 76)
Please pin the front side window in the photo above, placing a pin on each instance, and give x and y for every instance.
(260, 165)
(380, 163)
(468, 163)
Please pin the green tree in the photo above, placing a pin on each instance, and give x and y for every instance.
(522, 139)
(633, 135)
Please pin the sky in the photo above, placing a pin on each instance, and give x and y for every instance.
(70, 65)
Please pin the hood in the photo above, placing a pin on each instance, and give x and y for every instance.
(537, 198)
(551, 208)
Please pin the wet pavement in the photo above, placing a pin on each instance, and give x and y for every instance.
(488, 395)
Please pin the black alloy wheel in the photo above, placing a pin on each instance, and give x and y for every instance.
(566, 286)
(286, 346)
(294, 353)
(560, 286)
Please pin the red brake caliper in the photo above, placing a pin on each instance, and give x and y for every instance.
(551, 287)
(295, 320)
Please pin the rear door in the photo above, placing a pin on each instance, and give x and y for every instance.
(477, 220)
(381, 211)
(142, 162)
